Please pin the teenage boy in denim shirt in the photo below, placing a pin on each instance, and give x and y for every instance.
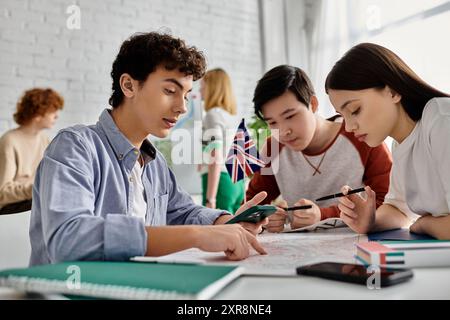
(103, 192)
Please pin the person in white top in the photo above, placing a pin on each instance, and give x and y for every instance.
(380, 96)
(219, 192)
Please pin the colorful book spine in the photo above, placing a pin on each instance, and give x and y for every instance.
(395, 254)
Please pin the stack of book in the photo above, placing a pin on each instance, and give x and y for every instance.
(405, 254)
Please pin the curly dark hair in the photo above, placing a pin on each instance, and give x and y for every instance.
(37, 102)
(142, 53)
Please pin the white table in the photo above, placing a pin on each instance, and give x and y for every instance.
(427, 283)
(287, 251)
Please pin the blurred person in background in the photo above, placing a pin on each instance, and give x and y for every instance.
(220, 106)
(22, 148)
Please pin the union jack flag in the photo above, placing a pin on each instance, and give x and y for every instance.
(243, 157)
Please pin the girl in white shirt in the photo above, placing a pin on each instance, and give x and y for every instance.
(380, 96)
(219, 192)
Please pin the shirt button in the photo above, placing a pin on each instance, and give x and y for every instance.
(131, 179)
(120, 156)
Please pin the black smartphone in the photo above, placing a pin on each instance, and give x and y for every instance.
(254, 214)
(356, 273)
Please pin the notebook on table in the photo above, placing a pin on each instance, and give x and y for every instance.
(397, 234)
(123, 280)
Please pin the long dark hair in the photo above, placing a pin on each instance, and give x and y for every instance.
(368, 65)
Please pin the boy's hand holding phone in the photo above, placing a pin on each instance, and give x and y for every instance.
(254, 228)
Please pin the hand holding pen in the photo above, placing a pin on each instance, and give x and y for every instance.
(278, 219)
(358, 213)
(304, 213)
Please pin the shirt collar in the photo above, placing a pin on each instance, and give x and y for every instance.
(120, 144)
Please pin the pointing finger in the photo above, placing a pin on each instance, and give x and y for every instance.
(254, 243)
(257, 199)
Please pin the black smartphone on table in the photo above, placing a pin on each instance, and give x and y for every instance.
(355, 273)
(254, 214)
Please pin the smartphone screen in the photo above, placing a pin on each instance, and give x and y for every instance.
(356, 273)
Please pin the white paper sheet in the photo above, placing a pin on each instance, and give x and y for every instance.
(286, 252)
(329, 223)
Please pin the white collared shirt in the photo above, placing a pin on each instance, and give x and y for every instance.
(138, 202)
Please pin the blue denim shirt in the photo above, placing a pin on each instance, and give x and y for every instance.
(82, 197)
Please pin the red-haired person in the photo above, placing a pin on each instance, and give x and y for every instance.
(22, 148)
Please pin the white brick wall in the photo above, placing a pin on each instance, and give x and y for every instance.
(37, 49)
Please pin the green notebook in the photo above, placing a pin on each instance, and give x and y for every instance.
(123, 280)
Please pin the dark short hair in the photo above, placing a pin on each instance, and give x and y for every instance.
(37, 102)
(277, 81)
(368, 65)
(142, 53)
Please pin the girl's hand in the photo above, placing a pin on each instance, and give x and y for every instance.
(419, 225)
(357, 213)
